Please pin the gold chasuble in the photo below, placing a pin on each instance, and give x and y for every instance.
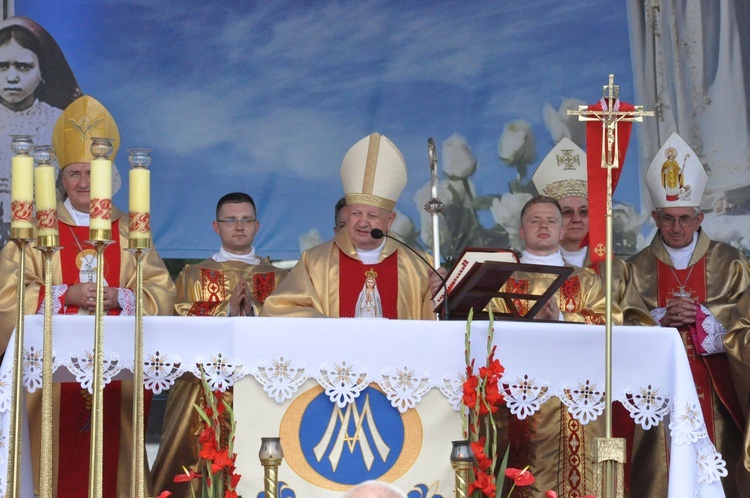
(203, 289)
(557, 448)
(72, 405)
(716, 276)
(329, 278)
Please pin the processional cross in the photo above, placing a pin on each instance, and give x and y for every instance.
(609, 451)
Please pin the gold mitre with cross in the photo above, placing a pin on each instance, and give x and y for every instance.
(373, 172)
(676, 177)
(85, 118)
(563, 172)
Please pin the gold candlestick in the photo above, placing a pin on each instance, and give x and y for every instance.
(139, 242)
(271, 454)
(96, 461)
(462, 461)
(48, 241)
(22, 236)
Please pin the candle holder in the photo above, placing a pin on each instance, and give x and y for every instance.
(48, 242)
(101, 189)
(462, 461)
(21, 236)
(271, 454)
(96, 461)
(138, 244)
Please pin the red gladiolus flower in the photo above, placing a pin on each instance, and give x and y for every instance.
(186, 477)
(234, 480)
(520, 477)
(221, 460)
(484, 483)
(230, 493)
(550, 494)
(165, 494)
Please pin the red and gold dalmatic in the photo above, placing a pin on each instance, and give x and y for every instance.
(203, 289)
(556, 447)
(717, 275)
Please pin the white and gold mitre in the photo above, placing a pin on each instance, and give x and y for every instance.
(563, 172)
(80, 121)
(676, 177)
(373, 172)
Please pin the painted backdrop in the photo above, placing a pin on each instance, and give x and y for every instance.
(266, 97)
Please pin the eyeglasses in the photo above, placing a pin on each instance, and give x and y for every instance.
(569, 213)
(235, 221)
(683, 220)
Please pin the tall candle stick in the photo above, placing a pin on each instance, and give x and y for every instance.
(22, 184)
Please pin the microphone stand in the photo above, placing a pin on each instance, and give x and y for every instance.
(377, 234)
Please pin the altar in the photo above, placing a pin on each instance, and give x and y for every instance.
(416, 368)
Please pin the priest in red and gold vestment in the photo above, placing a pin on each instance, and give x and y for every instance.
(692, 283)
(355, 275)
(74, 290)
(232, 282)
(557, 448)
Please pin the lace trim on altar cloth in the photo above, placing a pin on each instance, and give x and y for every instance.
(343, 382)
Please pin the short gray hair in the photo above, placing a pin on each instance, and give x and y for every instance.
(374, 489)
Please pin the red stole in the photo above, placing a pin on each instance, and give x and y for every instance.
(352, 281)
(708, 371)
(75, 402)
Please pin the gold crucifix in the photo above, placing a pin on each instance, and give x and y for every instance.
(609, 451)
(609, 116)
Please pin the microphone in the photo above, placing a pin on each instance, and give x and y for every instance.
(378, 234)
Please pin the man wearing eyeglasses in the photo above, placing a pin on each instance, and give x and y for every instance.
(233, 282)
(692, 283)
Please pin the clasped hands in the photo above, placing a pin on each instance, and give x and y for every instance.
(83, 295)
(241, 300)
(680, 311)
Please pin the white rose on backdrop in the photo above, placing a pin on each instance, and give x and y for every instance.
(309, 240)
(560, 125)
(517, 146)
(506, 211)
(458, 159)
(402, 227)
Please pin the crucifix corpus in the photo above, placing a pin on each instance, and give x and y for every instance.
(609, 451)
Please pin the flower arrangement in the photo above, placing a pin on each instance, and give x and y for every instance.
(482, 398)
(217, 472)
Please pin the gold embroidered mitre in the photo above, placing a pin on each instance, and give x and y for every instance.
(80, 121)
(563, 172)
(373, 172)
(676, 177)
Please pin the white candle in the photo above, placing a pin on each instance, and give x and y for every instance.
(140, 203)
(45, 196)
(22, 191)
(101, 195)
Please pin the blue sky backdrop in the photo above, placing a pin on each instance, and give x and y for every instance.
(267, 97)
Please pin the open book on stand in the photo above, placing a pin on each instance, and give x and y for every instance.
(469, 262)
(480, 275)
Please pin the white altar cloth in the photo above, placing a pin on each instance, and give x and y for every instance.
(406, 359)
